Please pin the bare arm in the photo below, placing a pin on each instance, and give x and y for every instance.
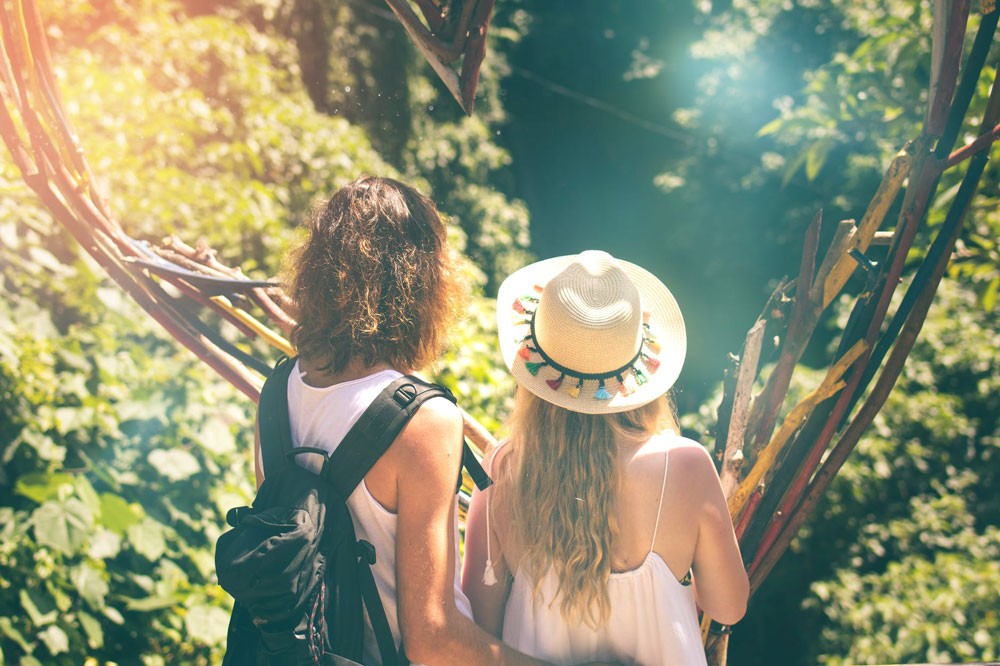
(488, 601)
(721, 580)
(258, 463)
(434, 631)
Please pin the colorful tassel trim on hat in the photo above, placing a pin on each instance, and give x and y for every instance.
(602, 393)
(534, 366)
(652, 363)
(554, 384)
(523, 319)
(628, 385)
(629, 378)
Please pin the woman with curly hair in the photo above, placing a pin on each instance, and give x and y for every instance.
(605, 528)
(375, 289)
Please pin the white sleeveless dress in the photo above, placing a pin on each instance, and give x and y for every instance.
(321, 417)
(653, 621)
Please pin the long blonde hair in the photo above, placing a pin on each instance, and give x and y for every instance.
(562, 487)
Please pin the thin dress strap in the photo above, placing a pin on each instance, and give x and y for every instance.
(489, 574)
(659, 507)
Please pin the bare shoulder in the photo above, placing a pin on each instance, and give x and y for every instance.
(497, 461)
(435, 428)
(684, 453)
(690, 469)
(691, 456)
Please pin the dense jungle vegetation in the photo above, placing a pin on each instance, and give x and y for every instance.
(721, 129)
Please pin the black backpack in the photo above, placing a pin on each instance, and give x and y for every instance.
(300, 578)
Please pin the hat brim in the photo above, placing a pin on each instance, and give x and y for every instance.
(666, 322)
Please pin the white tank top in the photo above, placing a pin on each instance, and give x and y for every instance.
(321, 417)
(653, 621)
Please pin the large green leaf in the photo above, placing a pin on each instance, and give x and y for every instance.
(104, 544)
(175, 464)
(8, 630)
(92, 630)
(147, 604)
(42, 486)
(117, 514)
(146, 537)
(63, 526)
(217, 436)
(39, 606)
(207, 624)
(55, 639)
(91, 585)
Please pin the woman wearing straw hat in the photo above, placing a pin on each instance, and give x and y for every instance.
(586, 546)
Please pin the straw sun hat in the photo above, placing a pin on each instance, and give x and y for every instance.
(590, 333)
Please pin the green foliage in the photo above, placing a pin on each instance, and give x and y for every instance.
(801, 107)
(937, 604)
(914, 511)
(898, 564)
(235, 153)
(120, 452)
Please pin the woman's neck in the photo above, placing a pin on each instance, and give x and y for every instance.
(355, 369)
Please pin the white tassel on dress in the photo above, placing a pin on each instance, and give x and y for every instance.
(489, 576)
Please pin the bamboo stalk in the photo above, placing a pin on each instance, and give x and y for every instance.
(246, 319)
(868, 315)
(879, 206)
(724, 412)
(477, 434)
(804, 316)
(158, 308)
(981, 143)
(751, 509)
(733, 456)
(273, 310)
(774, 316)
(475, 53)
(424, 38)
(990, 119)
(970, 78)
(804, 454)
(432, 13)
(945, 242)
(831, 384)
(197, 296)
(950, 20)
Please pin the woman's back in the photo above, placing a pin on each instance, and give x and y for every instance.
(653, 617)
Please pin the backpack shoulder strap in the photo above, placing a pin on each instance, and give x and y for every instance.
(375, 431)
(272, 416)
(379, 426)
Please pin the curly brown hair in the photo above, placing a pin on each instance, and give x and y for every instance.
(374, 280)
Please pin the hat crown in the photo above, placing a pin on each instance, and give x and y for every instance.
(589, 317)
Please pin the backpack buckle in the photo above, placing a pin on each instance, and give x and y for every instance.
(235, 515)
(405, 395)
(366, 552)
